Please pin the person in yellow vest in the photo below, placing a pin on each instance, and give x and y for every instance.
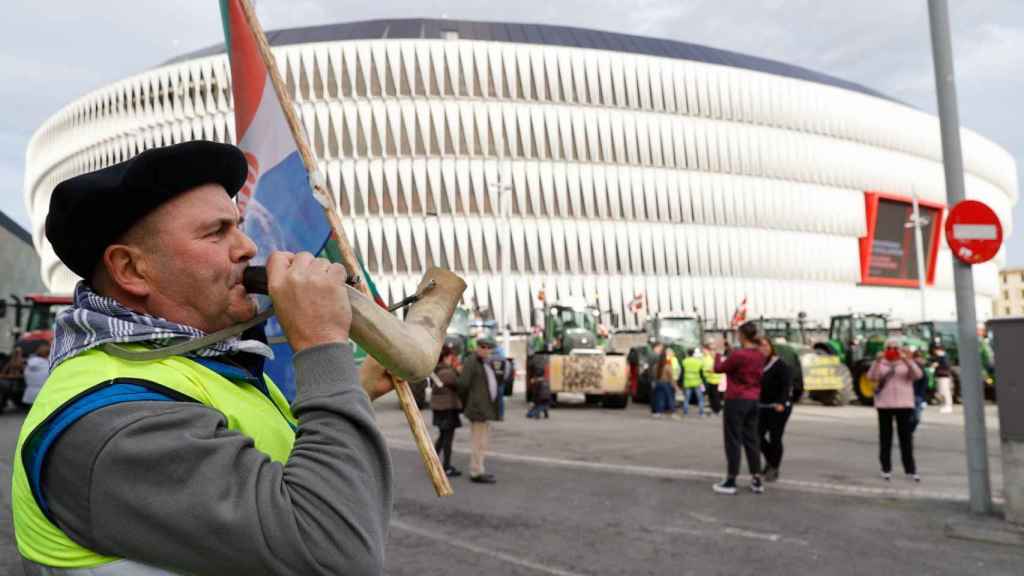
(693, 385)
(711, 379)
(140, 456)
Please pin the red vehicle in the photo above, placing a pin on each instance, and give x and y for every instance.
(33, 325)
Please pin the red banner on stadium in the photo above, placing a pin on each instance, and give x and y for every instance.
(888, 253)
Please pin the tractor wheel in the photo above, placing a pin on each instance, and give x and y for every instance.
(827, 397)
(863, 386)
(615, 401)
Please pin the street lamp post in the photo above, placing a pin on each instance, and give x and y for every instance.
(916, 222)
(503, 191)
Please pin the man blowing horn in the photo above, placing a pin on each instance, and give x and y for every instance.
(193, 462)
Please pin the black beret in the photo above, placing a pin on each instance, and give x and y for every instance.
(91, 211)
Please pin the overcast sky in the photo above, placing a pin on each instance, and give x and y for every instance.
(54, 51)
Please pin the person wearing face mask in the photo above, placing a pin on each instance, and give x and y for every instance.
(895, 372)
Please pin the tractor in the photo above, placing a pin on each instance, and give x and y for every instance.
(680, 332)
(926, 335)
(818, 371)
(855, 339)
(462, 334)
(30, 331)
(571, 360)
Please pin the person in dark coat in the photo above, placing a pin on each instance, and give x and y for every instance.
(776, 405)
(541, 398)
(479, 390)
(445, 404)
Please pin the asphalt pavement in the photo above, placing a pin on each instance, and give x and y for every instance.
(594, 491)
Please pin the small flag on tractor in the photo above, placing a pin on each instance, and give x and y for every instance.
(637, 303)
(740, 315)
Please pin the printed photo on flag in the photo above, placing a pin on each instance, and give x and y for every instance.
(277, 203)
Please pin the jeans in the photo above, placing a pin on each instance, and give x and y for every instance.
(770, 427)
(689, 393)
(740, 429)
(904, 429)
(663, 398)
(919, 404)
(538, 407)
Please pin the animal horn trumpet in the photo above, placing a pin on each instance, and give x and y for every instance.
(406, 349)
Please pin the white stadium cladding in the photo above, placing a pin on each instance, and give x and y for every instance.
(692, 176)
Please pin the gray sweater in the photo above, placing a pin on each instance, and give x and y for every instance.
(168, 484)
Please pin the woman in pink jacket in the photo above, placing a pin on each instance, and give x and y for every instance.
(895, 372)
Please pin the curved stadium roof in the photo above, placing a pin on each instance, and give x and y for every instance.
(544, 34)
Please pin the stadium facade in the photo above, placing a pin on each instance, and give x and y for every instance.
(617, 168)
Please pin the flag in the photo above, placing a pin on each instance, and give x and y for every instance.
(637, 303)
(277, 203)
(740, 315)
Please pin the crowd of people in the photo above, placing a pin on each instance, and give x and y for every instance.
(752, 387)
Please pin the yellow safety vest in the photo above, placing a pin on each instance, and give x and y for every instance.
(691, 372)
(712, 377)
(96, 379)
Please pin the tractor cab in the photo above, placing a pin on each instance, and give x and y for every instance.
(457, 334)
(926, 335)
(570, 325)
(855, 337)
(34, 317)
(680, 332)
(776, 329)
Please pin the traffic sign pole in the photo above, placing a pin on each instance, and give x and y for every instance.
(970, 369)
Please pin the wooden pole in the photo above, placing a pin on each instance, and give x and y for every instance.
(412, 413)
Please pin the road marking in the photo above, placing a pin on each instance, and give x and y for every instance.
(703, 517)
(714, 531)
(751, 534)
(450, 541)
(682, 473)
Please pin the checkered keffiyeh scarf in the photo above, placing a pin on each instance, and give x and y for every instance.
(95, 320)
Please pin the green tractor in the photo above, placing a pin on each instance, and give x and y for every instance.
(818, 371)
(855, 339)
(680, 332)
(571, 361)
(926, 335)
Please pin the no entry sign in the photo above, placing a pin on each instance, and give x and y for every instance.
(973, 232)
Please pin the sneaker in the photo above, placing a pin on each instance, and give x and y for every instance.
(886, 476)
(725, 487)
(484, 479)
(756, 486)
(913, 477)
(452, 472)
(676, 417)
(656, 415)
(771, 474)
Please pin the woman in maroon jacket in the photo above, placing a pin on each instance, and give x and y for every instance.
(742, 392)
